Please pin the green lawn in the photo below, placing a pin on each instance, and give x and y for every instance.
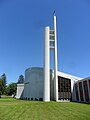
(12, 109)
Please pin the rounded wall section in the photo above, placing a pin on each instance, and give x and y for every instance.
(34, 82)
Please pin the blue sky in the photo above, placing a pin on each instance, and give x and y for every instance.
(22, 25)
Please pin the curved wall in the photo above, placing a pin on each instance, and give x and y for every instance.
(33, 86)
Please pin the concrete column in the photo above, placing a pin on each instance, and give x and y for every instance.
(46, 93)
(55, 64)
(83, 92)
(88, 90)
(74, 92)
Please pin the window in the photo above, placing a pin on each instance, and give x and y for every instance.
(81, 91)
(86, 90)
(76, 89)
(64, 88)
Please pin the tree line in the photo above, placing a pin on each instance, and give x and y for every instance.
(11, 88)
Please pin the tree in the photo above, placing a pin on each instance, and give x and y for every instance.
(21, 79)
(11, 89)
(3, 83)
(0, 87)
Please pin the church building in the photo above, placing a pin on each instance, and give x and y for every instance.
(45, 84)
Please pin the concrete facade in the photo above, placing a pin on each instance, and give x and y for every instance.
(82, 90)
(32, 88)
(73, 80)
(20, 90)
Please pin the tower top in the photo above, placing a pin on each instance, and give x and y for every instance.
(54, 13)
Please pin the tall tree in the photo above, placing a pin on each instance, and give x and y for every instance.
(3, 83)
(0, 86)
(21, 79)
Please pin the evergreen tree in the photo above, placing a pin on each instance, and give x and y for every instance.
(3, 83)
(0, 86)
(21, 79)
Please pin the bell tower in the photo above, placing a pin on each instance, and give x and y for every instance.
(50, 43)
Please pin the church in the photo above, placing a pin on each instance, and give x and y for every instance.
(44, 84)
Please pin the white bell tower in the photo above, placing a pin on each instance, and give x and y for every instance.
(50, 42)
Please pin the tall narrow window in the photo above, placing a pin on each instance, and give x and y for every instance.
(81, 91)
(86, 91)
(76, 89)
(64, 88)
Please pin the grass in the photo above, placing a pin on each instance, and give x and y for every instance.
(12, 109)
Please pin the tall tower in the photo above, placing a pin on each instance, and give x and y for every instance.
(50, 42)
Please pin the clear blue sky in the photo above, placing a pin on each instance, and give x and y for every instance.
(22, 25)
